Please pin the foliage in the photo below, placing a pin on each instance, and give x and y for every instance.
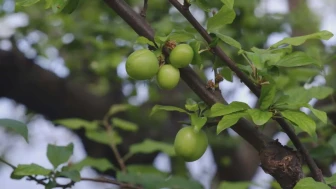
(281, 72)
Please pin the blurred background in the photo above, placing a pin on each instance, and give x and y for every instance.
(58, 66)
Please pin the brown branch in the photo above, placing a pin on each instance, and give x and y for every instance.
(232, 65)
(243, 127)
(144, 9)
(142, 28)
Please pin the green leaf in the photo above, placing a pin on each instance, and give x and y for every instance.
(220, 109)
(322, 151)
(259, 117)
(228, 40)
(202, 4)
(75, 123)
(332, 142)
(157, 108)
(103, 137)
(310, 183)
(197, 59)
(144, 41)
(191, 105)
(301, 120)
(229, 120)
(228, 3)
(320, 92)
(26, 2)
(295, 41)
(144, 169)
(301, 95)
(101, 164)
(30, 169)
(224, 16)
(149, 146)
(125, 125)
(155, 181)
(234, 185)
(65, 6)
(116, 108)
(227, 74)
(74, 175)
(295, 59)
(198, 122)
(59, 154)
(180, 36)
(321, 115)
(15, 126)
(331, 180)
(267, 96)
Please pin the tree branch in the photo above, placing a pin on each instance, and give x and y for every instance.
(232, 65)
(243, 128)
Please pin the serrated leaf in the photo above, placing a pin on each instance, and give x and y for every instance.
(219, 109)
(101, 164)
(15, 126)
(295, 59)
(310, 183)
(228, 40)
(74, 175)
(321, 115)
(116, 108)
(267, 96)
(197, 122)
(75, 123)
(149, 146)
(59, 154)
(228, 3)
(125, 125)
(224, 16)
(157, 108)
(26, 2)
(259, 117)
(301, 120)
(229, 120)
(30, 169)
(144, 41)
(323, 35)
(103, 137)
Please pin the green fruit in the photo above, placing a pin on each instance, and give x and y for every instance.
(168, 77)
(142, 64)
(181, 56)
(190, 144)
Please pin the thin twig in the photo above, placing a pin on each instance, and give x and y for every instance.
(144, 9)
(7, 163)
(112, 145)
(317, 175)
